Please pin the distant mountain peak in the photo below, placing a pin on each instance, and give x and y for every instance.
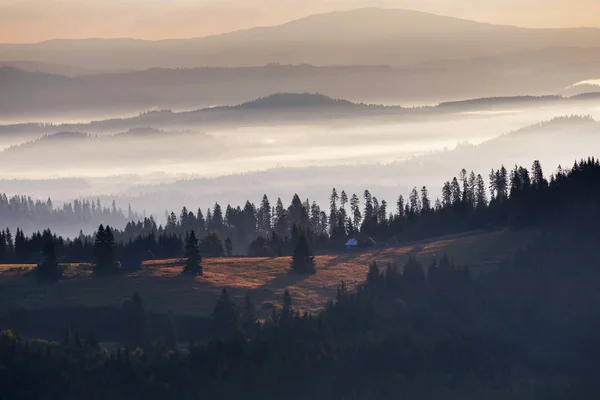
(294, 100)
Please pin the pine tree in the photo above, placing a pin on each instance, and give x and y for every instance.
(302, 259)
(287, 313)
(136, 334)
(333, 211)
(400, 206)
(200, 225)
(105, 252)
(224, 317)
(382, 214)
(537, 175)
(480, 194)
(281, 224)
(415, 203)
(355, 209)
(193, 263)
(446, 195)
(426, 203)
(471, 190)
(217, 219)
(368, 214)
(48, 269)
(264, 215)
(248, 322)
(315, 218)
(343, 199)
(456, 192)
(228, 247)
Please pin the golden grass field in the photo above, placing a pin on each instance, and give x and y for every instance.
(164, 289)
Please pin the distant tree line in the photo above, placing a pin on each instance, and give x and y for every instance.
(517, 197)
(28, 214)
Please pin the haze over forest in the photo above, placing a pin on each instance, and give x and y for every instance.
(384, 98)
(317, 199)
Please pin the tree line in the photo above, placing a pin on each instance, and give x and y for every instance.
(518, 197)
(28, 214)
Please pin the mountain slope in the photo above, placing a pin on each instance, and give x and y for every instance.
(364, 36)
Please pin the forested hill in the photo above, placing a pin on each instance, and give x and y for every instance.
(515, 197)
(525, 330)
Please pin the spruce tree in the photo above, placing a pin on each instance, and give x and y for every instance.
(224, 317)
(248, 317)
(105, 252)
(136, 334)
(48, 269)
(228, 247)
(302, 259)
(193, 263)
(287, 313)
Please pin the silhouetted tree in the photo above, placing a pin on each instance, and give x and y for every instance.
(136, 334)
(193, 262)
(224, 317)
(48, 268)
(105, 252)
(212, 245)
(302, 259)
(248, 322)
(228, 247)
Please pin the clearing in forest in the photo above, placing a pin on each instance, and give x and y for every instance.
(164, 289)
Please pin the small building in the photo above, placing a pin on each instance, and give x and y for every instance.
(351, 244)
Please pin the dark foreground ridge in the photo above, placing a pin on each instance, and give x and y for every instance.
(524, 330)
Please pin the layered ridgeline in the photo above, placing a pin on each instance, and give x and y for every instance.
(280, 109)
(358, 37)
(392, 56)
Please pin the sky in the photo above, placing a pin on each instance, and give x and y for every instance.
(27, 21)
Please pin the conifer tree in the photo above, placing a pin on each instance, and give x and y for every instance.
(136, 334)
(105, 252)
(343, 199)
(355, 209)
(426, 203)
(248, 317)
(228, 247)
(224, 317)
(286, 311)
(193, 262)
(302, 259)
(48, 269)
(400, 206)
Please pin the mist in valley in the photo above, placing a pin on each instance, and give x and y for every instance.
(195, 164)
(255, 199)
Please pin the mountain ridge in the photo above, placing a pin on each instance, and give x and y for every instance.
(288, 108)
(341, 37)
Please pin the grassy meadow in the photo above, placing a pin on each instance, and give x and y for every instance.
(164, 289)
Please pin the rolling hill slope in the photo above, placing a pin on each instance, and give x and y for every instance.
(165, 289)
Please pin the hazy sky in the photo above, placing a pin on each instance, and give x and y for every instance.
(37, 20)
